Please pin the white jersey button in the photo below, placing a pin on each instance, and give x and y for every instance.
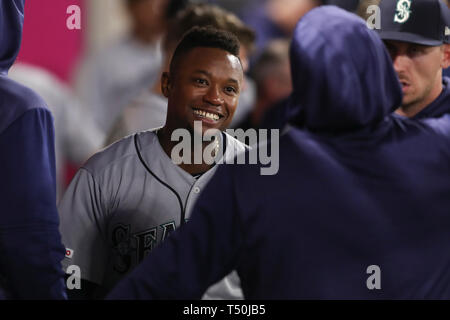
(196, 189)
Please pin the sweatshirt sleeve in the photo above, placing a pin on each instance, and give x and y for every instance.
(196, 255)
(30, 244)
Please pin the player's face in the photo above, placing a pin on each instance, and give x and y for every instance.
(205, 87)
(419, 69)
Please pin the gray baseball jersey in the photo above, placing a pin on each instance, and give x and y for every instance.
(123, 202)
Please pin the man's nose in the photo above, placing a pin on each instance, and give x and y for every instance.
(401, 63)
(213, 96)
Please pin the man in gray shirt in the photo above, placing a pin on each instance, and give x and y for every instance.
(128, 198)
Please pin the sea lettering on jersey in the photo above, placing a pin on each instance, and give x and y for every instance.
(167, 229)
(121, 246)
(135, 247)
(146, 240)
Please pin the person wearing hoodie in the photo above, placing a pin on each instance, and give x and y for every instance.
(358, 209)
(30, 244)
(420, 52)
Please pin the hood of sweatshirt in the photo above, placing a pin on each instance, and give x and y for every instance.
(11, 23)
(342, 75)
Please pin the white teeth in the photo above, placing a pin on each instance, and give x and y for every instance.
(208, 115)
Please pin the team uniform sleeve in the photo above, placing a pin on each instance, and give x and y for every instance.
(30, 243)
(196, 255)
(82, 213)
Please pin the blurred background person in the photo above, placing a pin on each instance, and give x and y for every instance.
(76, 136)
(349, 5)
(108, 80)
(235, 6)
(149, 109)
(50, 57)
(363, 6)
(272, 76)
(273, 19)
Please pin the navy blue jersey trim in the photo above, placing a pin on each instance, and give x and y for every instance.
(182, 218)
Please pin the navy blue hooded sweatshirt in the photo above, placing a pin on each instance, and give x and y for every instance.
(440, 106)
(359, 209)
(30, 243)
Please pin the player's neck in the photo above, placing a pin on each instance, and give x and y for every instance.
(164, 137)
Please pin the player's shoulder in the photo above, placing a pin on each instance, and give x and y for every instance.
(20, 100)
(119, 152)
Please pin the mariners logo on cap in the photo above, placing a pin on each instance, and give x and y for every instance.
(403, 11)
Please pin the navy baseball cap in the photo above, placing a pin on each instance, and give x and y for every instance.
(424, 22)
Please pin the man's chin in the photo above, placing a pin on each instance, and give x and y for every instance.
(408, 100)
(200, 127)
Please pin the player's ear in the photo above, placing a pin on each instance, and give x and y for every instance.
(165, 84)
(446, 56)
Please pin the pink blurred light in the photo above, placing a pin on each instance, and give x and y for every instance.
(47, 42)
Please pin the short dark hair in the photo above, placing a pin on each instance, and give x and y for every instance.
(206, 37)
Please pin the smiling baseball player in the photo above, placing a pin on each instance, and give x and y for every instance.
(128, 198)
